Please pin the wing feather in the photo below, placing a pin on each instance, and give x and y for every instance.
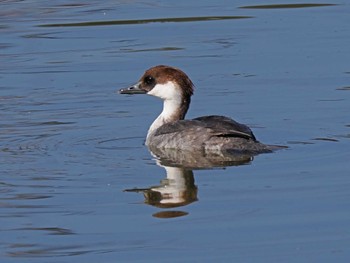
(216, 125)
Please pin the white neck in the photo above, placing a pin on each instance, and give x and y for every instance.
(170, 109)
(172, 105)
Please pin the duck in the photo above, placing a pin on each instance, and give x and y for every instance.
(170, 130)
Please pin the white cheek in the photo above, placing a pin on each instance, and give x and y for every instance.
(167, 91)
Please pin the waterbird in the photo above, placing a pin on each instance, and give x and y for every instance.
(207, 134)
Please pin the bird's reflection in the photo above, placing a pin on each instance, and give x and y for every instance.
(178, 188)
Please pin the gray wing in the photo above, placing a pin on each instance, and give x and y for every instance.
(217, 126)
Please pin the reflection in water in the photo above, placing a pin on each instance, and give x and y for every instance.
(147, 21)
(179, 189)
(170, 214)
(279, 6)
(47, 251)
(199, 159)
(50, 230)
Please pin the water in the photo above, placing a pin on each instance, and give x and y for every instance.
(70, 146)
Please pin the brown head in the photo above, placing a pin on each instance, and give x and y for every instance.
(160, 80)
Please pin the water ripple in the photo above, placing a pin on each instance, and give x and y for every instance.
(281, 6)
(146, 21)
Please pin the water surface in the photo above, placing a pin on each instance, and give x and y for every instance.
(75, 175)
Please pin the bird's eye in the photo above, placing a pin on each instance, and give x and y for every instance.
(149, 80)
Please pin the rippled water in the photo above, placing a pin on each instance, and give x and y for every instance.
(78, 185)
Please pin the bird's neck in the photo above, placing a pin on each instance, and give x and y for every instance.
(173, 110)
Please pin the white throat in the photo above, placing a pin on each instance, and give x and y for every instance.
(171, 94)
